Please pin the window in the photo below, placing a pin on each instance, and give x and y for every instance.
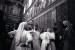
(54, 15)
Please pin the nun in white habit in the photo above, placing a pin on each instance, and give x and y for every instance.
(46, 37)
(22, 37)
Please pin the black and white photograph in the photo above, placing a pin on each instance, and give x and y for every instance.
(37, 24)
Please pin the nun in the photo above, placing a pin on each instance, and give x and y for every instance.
(22, 38)
(46, 39)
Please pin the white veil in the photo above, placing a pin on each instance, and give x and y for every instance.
(19, 32)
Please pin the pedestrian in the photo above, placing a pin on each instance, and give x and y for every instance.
(36, 38)
(68, 35)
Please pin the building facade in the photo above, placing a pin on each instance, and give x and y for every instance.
(47, 12)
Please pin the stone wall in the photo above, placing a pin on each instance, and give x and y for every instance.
(62, 12)
(71, 12)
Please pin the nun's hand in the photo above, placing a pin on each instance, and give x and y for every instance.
(26, 43)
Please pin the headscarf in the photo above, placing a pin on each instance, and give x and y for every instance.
(67, 23)
(19, 32)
